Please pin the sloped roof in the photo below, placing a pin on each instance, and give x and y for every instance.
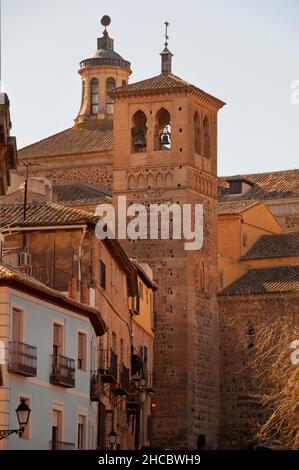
(43, 214)
(274, 246)
(81, 194)
(15, 279)
(271, 185)
(270, 280)
(49, 214)
(71, 141)
(160, 83)
(235, 207)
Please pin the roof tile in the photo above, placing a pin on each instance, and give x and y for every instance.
(270, 280)
(280, 245)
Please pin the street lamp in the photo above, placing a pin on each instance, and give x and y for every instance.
(23, 412)
(112, 436)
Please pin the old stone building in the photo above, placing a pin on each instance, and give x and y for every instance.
(155, 141)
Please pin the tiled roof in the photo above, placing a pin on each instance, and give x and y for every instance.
(282, 279)
(235, 207)
(81, 194)
(73, 140)
(50, 215)
(274, 246)
(272, 185)
(44, 214)
(162, 82)
(15, 279)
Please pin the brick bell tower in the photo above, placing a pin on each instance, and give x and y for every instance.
(165, 151)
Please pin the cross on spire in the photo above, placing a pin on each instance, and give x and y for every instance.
(166, 33)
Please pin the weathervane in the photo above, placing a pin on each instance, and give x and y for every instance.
(166, 33)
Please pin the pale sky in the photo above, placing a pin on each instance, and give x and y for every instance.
(245, 52)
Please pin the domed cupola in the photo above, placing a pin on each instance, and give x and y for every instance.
(104, 70)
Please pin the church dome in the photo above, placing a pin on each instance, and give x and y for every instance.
(105, 54)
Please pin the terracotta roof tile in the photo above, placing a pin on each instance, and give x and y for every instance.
(69, 141)
(235, 207)
(81, 194)
(274, 246)
(162, 82)
(15, 279)
(282, 279)
(44, 214)
(272, 185)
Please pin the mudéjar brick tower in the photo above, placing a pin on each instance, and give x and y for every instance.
(165, 151)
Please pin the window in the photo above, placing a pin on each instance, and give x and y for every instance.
(121, 352)
(206, 136)
(57, 342)
(56, 429)
(140, 290)
(102, 274)
(138, 132)
(81, 437)
(110, 84)
(82, 351)
(17, 325)
(94, 96)
(244, 239)
(162, 130)
(114, 341)
(197, 134)
(27, 431)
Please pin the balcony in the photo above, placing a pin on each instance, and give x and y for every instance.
(63, 371)
(95, 386)
(22, 359)
(150, 382)
(123, 386)
(133, 402)
(57, 445)
(108, 366)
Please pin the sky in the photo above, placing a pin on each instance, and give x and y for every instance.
(245, 52)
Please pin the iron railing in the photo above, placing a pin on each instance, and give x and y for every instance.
(58, 445)
(63, 371)
(108, 365)
(95, 385)
(22, 358)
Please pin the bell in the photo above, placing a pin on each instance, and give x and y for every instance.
(165, 138)
(139, 140)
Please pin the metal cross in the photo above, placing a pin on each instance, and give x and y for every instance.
(166, 33)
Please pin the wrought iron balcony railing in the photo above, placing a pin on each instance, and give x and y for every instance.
(63, 371)
(95, 385)
(22, 358)
(108, 365)
(58, 445)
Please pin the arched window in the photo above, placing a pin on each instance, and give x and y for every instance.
(162, 130)
(110, 84)
(94, 96)
(138, 132)
(197, 134)
(206, 137)
(83, 94)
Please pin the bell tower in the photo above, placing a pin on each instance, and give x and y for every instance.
(165, 151)
(100, 73)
